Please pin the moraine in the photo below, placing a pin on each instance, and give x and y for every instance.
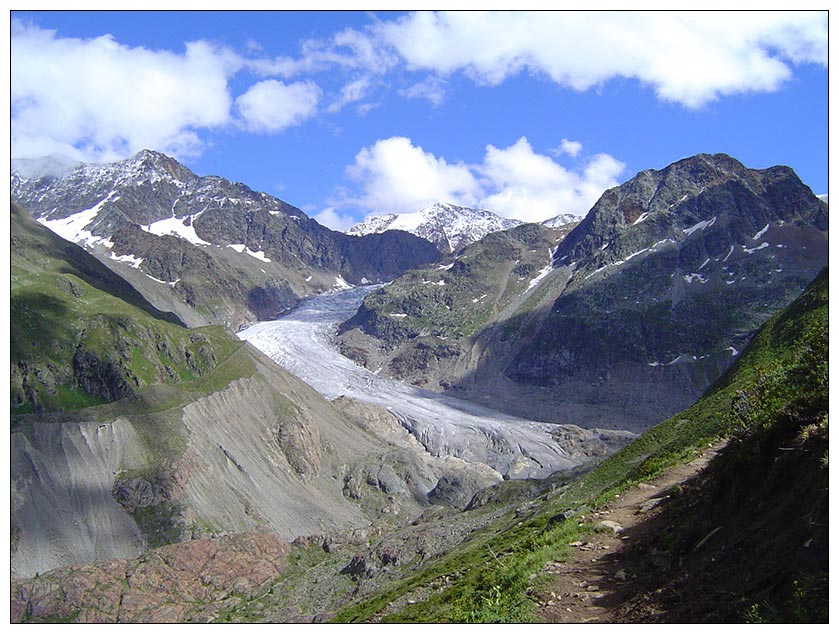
(301, 343)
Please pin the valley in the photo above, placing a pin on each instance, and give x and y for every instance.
(514, 447)
(397, 431)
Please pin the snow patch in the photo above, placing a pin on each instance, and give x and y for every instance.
(695, 276)
(175, 227)
(130, 259)
(682, 358)
(728, 255)
(259, 255)
(699, 226)
(763, 245)
(341, 283)
(241, 248)
(540, 276)
(760, 233)
(72, 228)
(641, 218)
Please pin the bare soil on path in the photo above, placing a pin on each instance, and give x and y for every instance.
(599, 577)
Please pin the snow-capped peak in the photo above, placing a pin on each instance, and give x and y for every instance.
(560, 221)
(449, 227)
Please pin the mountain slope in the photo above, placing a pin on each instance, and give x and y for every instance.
(639, 308)
(214, 250)
(130, 431)
(494, 561)
(81, 334)
(448, 227)
(419, 328)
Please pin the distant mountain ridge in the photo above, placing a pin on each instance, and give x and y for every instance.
(213, 250)
(448, 227)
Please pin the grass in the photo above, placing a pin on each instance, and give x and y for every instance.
(80, 335)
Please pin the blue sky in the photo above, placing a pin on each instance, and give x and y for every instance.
(344, 114)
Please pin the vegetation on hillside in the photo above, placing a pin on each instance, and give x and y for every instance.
(83, 336)
(779, 382)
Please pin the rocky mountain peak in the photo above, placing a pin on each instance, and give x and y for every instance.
(691, 194)
(159, 166)
(447, 226)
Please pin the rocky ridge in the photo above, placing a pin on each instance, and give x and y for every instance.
(217, 251)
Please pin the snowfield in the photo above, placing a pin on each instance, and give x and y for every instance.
(516, 448)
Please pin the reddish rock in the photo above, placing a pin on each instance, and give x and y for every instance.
(189, 581)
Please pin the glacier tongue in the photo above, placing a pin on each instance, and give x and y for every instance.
(516, 448)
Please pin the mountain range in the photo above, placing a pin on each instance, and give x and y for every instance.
(210, 250)
(164, 470)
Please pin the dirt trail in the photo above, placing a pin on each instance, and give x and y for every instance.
(596, 580)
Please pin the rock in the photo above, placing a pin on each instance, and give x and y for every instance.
(609, 524)
(179, 582)
(651, 503)
(457, 489)
(359, 567)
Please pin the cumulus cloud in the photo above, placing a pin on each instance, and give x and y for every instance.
(96, 99)
(272, 106)
(532, 187)
(691, 58)
(99, 100)
(336, 221)
(397, 176)
(514, 182)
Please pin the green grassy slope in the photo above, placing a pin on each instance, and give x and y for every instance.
(781, 376)
(82, 336)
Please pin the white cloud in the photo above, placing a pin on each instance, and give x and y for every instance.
(432, 88)
(571, 148)
(691, 58)
(515, 182)
(329, 217)
(528, 186)
(272, 106)
(350, 93)
(348, 49)
(397, 176)
(96, 99)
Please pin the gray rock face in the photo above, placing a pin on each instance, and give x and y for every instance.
(673, 271)
(264, 453)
